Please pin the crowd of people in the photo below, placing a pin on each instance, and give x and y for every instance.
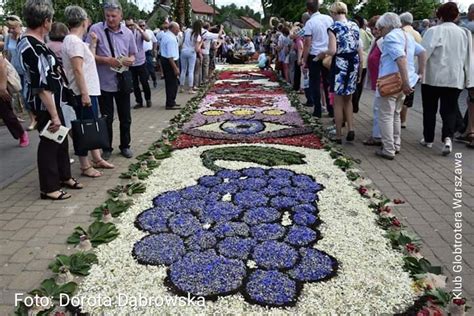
(330, 58)
(83, 70)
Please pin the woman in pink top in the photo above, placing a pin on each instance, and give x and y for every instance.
(373, 63)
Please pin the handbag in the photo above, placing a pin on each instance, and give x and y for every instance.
(13, 79)
(124, 79)
(89, 134)
(391, 84)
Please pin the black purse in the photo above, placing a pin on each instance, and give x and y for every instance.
(89, 134)
(124, 79)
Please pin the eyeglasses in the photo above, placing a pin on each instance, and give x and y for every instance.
(142, 25)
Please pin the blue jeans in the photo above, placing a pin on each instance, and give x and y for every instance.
(188, 61)
(86, 113)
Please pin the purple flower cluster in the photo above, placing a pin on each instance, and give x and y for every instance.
(207, 239)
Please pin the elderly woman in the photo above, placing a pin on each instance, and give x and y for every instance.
(6, 110)
(448, 50)
(345, 69)
(14, 26)
(373, 65)
(398, 55)
(45, 92)
(79, 64)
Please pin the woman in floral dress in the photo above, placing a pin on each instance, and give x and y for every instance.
(345, 71)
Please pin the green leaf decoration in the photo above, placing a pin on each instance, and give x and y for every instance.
(419, 267)
(78, 263)
(49, 288)
(351, 175)
(115, 208)
(21, 310)
(98, 233)
(129, 189)
(267, 156)
(440, 296)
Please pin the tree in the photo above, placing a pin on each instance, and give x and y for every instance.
(375, 7)
(93, 8)
(181, 12)
(231, 11)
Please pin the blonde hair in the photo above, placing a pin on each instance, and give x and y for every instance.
(13, 21)
(338, 8)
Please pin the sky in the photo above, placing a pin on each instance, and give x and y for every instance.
(256, 4)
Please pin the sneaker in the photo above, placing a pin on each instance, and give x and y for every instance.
(71, 161)
(138, 106)
(404, 125)
(426, 144)
(448, 146)
(24, 140)
(381, 153)
(126, 152)
(148, 103)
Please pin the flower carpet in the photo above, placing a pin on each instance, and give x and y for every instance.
(250, 212)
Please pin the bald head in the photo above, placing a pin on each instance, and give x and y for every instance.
(174, 28)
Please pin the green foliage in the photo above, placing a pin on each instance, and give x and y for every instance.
(49, 288)
(375, 7)
(232, 11)
(418, 267)
(93, 8)
(115, 208)
(78, 263)
(98, 233)
(181, 12)
(292, 10)
(440, 297)
(261, 155)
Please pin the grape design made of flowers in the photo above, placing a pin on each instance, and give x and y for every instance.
(250, 231)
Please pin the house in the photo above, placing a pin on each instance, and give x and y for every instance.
(243, 26)
(200, 10)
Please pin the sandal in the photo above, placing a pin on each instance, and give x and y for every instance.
(76, 185)
(63, 196)
(90, 175)
(102, 164)
(372, 142)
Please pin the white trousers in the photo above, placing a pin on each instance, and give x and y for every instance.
(389, 122)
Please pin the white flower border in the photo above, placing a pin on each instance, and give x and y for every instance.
(370, 280)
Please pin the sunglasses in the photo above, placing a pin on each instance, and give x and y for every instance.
(142, 25)
(12, 18)
(112, 6)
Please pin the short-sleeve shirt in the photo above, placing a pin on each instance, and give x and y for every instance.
(189, 42)
(347, 36)
(74, 47)
(147, 46)
(169, 46)
(41, 70)
(207, 37)
(317, 27)
(123, 43)
(393, 47)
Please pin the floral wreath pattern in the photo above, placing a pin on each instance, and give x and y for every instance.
(249, 231)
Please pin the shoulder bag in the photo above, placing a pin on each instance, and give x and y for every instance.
(392, 84)
(125, 83)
